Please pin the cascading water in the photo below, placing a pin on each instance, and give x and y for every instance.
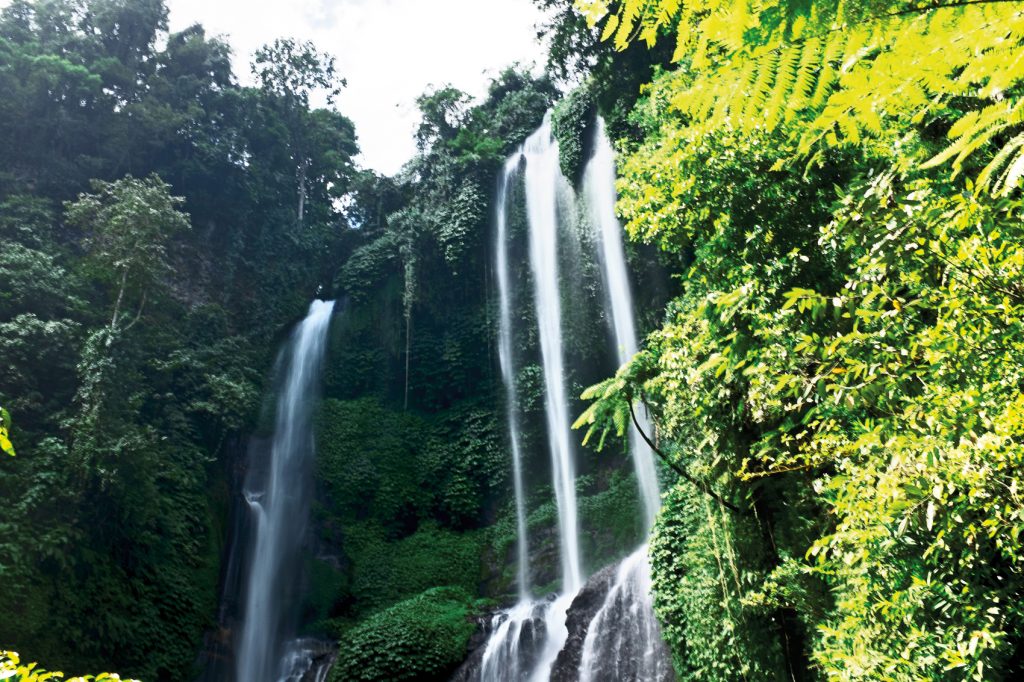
(529, 636)
(508, 373)
(278, 497)
(544, 183)
(544, 186)
(599, 192)
(622, 639)
(512, 647)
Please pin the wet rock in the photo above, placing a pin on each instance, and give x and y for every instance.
(519, 636)
(581, 613)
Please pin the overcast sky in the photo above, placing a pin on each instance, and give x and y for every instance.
(388, 50)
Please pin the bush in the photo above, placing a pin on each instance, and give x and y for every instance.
(705, 563)
(570, 122)
(423, 638)
(385, 572)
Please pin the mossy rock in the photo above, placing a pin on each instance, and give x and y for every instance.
(571, 123)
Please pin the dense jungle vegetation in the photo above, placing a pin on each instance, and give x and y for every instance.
(836, 367)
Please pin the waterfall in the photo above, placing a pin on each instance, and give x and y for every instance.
(508, 373)
(618, 635)
(529, 636)
(278, 497)
(544, 183)
(623, 641)
(599, 191)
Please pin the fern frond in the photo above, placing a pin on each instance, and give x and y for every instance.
(1010, 158)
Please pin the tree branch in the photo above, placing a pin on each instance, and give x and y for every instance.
(678, 469)
(138, 314)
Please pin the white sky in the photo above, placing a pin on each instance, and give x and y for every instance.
(388, 50)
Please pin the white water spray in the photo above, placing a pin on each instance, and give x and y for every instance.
(623, 640)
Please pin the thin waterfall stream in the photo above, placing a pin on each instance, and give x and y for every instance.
(599, 192)
(623, 641)
(278, 494)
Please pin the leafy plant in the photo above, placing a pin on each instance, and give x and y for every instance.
(5, 429)
(12, 668)
(423, 638)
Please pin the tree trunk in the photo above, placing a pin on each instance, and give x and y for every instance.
(302, 189)
(120, 297)
(408, 319)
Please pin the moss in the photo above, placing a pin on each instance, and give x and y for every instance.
(384, 572)
(422, 638)
(366, 463)
(328, 587)
(704, 564)
(570, 122)
(611, 520)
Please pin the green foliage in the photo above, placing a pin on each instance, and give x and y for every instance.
(6, 446)
(843, 360)
(320, 143)
(13, 669)
(291, 69)
(328, 587)
(126, 409)
(127, 225)
(401, 494)
(853, 73)
(572, 122)
(611, 523)
(422, 638)
(707, 561)
(385, 571)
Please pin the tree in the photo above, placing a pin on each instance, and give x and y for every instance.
(842, 184)
(126, 226)
(443, 111)
(290, 72)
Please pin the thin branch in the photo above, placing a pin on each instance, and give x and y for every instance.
(138, 314)
(678, 469)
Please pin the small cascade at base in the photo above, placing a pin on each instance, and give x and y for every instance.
(624, 641)
(307, 660)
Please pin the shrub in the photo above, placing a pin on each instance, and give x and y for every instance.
(422, 638)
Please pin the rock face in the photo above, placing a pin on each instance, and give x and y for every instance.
(470, 669)
(531, 631)
(581, 613)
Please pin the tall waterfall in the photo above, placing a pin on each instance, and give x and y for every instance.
(622, 640)
(508, 373)
(530, 635)
(278, 497)
(544, 184)
(599, 191)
